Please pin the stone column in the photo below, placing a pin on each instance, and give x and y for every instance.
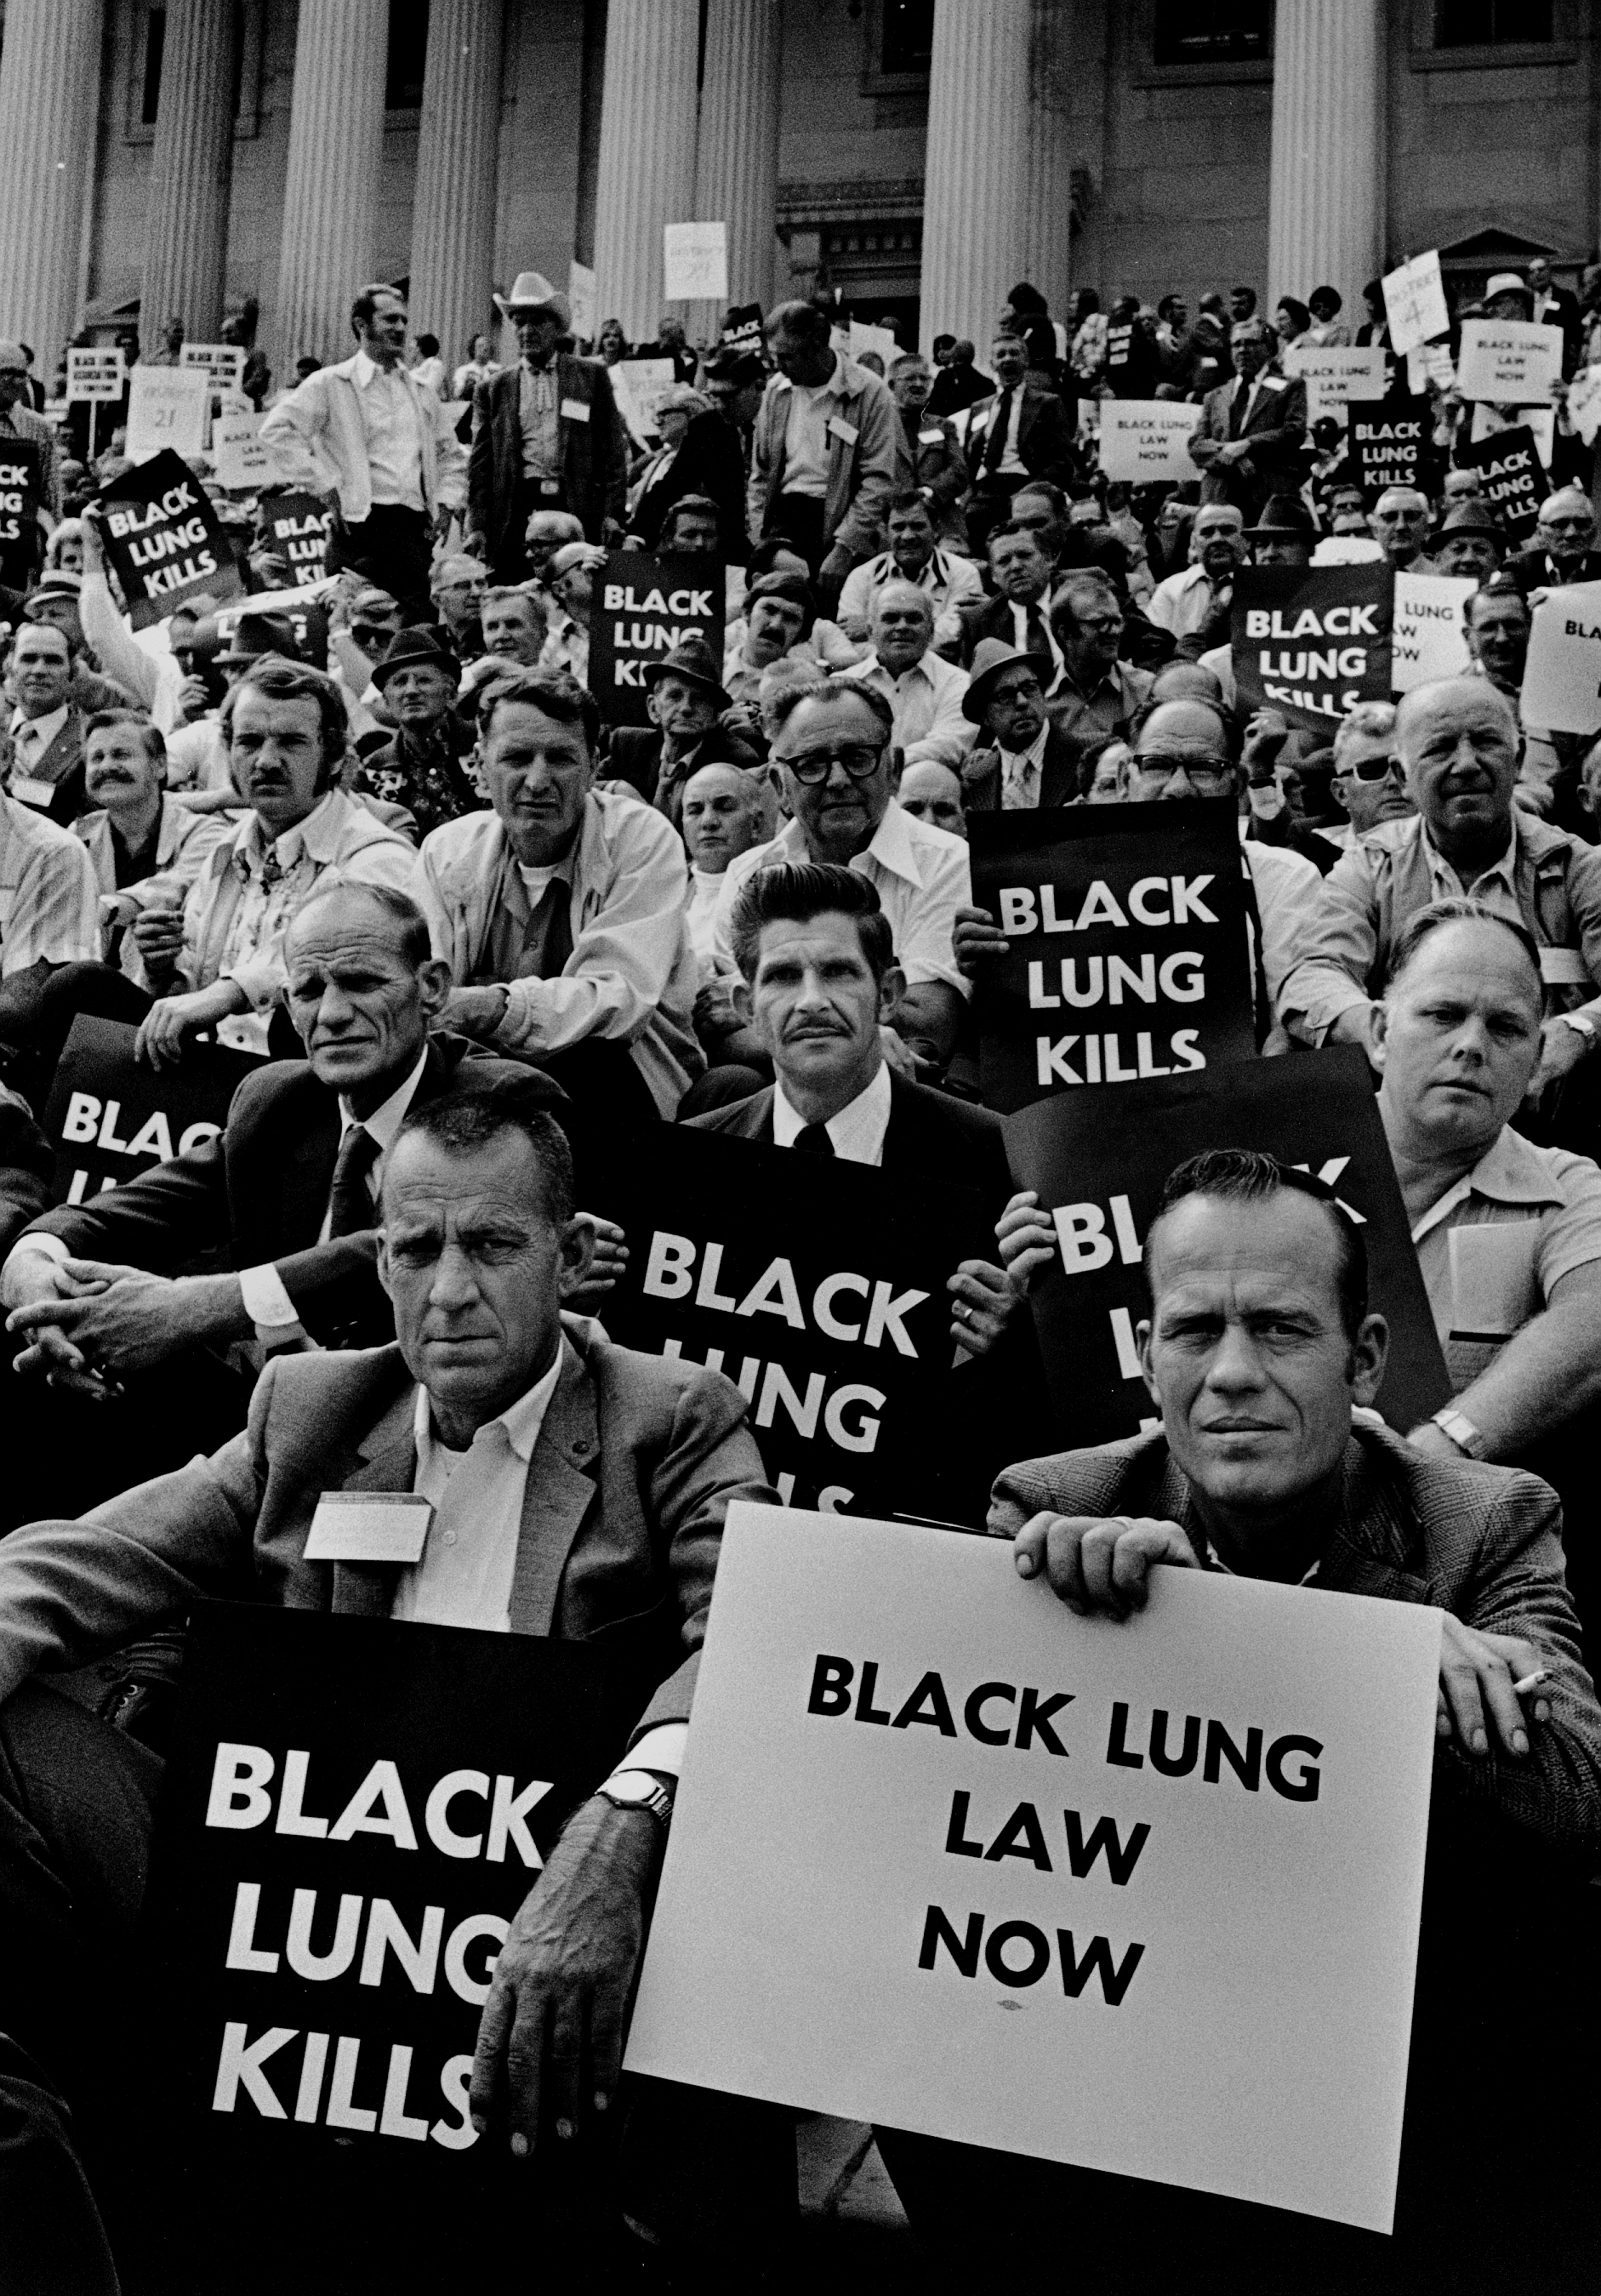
(737, 157)
(1325, 216)
(647, 154)
(976, 179)
(453, 230)
(335, 148)
(186, 232)
(1049, 201)
(49, 80)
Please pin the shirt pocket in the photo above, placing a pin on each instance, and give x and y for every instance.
(1495, 1290)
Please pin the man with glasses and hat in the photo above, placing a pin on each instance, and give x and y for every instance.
(1025, 762)
(422, 765)
(685, 701)
(546, 436)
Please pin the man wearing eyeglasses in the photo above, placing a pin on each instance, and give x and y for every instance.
(1370, 781)
(1095, 692)
(1561, 551)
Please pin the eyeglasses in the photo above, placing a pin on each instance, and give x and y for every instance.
(1201, 767)
(812, 768)
(1100, 624)
(1371, 770)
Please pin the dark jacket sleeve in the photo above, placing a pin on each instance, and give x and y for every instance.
(27, 1167)
(608, 468)
(1048, 449)
(162, 1221)
(480, 462)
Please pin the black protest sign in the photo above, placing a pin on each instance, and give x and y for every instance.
(297, 528)
(1390, 443)
(1155, 979)
(641, 609)
(1100, 1184)
(353, 1812)
(1515, 478)
(741, 328)
(1312, 642)
(20, 496)
(163, 539)
(112, 1118)
(819, 1288)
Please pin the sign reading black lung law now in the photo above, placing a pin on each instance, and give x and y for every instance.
(353, 1813)
(297, 528)
(1100, 1185)
(1515, 478)
(1391, 443)
(640, 608)
(1127, 955)
(163, 539)
(18, 511)
(1312, 642)
(112, 1118)
(819, 1287)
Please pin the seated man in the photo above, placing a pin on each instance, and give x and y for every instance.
(933, 793)
(777, 623)
(1469, 544)
(725, 812)
(952, 582)
(1369, 784)
(925, 693)
(514, 624)
(420, 766)
(1021, 573)
(1193, 603)
(46, 726)
(135, 834)
(569, 579)
(1025, 761)
(58, 599)
(49, 911)
(1097, 689)
(633, 1459)
(1399, 522)
(940, 472)
(685, 700)
(1562, 549)
(456, 587)
(561, 913)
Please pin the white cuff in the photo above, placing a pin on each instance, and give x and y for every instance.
(661, 1748)
(267, 1303)
(52, 1246)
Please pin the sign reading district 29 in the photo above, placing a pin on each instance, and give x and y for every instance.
(640, 609)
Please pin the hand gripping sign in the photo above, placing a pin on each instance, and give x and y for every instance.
(163, 539)
(640, 608)
(1312, 642)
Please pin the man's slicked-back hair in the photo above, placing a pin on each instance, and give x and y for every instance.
(797, 891)
(1245, 1176)
(472, 1115)
(1458, 909)
(553, 690)
(412, 939)
(833, 690)
(364, 310)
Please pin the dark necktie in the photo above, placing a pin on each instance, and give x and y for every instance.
(349, 1206)
(1236, 413)
(1034, 638)
(813, 1140)
(994, 446)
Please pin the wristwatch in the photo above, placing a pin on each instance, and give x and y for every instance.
(1582, 1027)
(1460, 1429)
(639, 1790)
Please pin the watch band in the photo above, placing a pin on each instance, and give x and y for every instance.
(1460, 1429)
(657, 1801)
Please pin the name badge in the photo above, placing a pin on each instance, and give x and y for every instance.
(369, 1526)
(1272, 383)
(575, 410)
(31, 790)
(930, 437)
(840, 428)
(1564, 968)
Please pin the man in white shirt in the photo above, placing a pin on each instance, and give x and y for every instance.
(725, 812)
(1187, 603)
(923, 691)
(912, 555)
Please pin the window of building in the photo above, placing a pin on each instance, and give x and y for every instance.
(906, 36)
(1492, 23)
(407, 51)
(155, 43)
(1212, 31)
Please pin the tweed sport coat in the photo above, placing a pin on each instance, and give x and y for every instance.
(636, 1466)
(593, 449)
(1483, 1542)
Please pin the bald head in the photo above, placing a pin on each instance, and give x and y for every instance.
(903, 626)
(725, 812)
(1458, 742)
(1182, 750)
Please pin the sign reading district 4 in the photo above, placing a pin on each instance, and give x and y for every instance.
(1312, 642)
(112, 1118)
(163, 539)
(1187, 1848)
(353, 1813)
(1126, 950)
(1100, 1186)
(640, 608)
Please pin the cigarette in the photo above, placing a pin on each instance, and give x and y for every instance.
(1532, 1681)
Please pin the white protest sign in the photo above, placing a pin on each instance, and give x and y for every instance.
(1146, 440)
(1334, 374)
(1427, 638)
(222, 363)
(694, 262)
(1562, 677)
(1190, 1846)
(580, 295)
(167, 406)
(1584, 403)
(1415, 302)
(881, 339)
(241, 459)
(637, 385)
(96, 375)
(1508, 361)
(1541, 421)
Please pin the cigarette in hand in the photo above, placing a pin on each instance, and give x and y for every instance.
(1532, 1681)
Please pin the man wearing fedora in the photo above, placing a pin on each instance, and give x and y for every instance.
(423, 764)
(1283, 534)
(545, 435)
(380, 446)
(686, 700)
(1469, 543)
(1022, 761)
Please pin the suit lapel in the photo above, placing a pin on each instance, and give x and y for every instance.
(366, 1590)
(557, 1494)
(1028, 413)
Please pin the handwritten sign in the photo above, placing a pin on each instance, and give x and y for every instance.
(881, 339)
(166, 409)
(1562, 677)
(694, 262)
(1335, 375)
(241, 461)
(1145, 440)
(1189, 1846)
(580, 295)
(1313, 641)
(1429, 638)
(1508, 360)
(1415, 302)
(98, 374)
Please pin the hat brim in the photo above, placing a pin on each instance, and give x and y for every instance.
(976, 699)
(384, 671)
(661, 669)
(559, 308)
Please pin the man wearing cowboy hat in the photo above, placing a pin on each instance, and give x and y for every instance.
(686, 700)
(1024, 762)
(545, 435)
(420, 765)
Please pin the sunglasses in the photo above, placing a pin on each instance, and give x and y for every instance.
(1373, 769)
(812, 768)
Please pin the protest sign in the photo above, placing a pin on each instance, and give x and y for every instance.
(580, 295)
(21, 539)
(390, 1791)
(642, 608)
(1312, 642)
(1584, 403)
(241, 461)
(306, 606)
(742, 327)
(1508, 360)
(637, 385)
(1540, 421)
(1146, 440)
(1515, 478)
(1158, 980)
(1333, 375)
(819, 1287)
(221, 364)
(109, 1117)
(162, 537)
(694, 262)
(1390, 444)
(1562, 677)
(1429, 639)
(1101, 1186)
(1215, 1941)
(167, 410)
(1415, 302)
(99, 374)
(297, 528)
(881, 339)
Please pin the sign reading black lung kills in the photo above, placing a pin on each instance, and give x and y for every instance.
(1312, 642)
(353, 1813)
(297, 528)
(163, 539)
(640, 609)
(1100, 1184)
(18, 511)
(1391, 443)
(1127, 954)
(819, 1288)
(1515, 478)
(112, 1118)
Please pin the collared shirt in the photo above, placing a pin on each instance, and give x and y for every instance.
(857, 1130)
(1184, 600)
(539, 422)
(1040, 608)
(977, 437)
(1496, 1244)
(922, 875)
(49, 903)
(566, 647)
(1288, 889)
(1021, 773)
(23, 422)
(433, 780)
(394, 435)
(950, 582)
(927, 703)
(705, 890)
(1081, 718)
(32, 736)
(806, 452)
(183, 840)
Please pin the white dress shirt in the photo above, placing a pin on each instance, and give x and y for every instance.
(706, 886)
(857, 1131)
(1182, 603)
(806, 449)
(1020, 773)
(927, 703)
(393, 434)
(32, 736)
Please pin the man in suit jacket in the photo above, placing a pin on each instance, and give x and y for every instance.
(545, 436)
(1246, 442)
(1024, 762)
(46, 726)
(596, 1511)
(1021, 431)
(686, 703)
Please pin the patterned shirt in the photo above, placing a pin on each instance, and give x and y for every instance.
(435, 781)
(48, 895)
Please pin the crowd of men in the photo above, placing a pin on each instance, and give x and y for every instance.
(376, 833)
